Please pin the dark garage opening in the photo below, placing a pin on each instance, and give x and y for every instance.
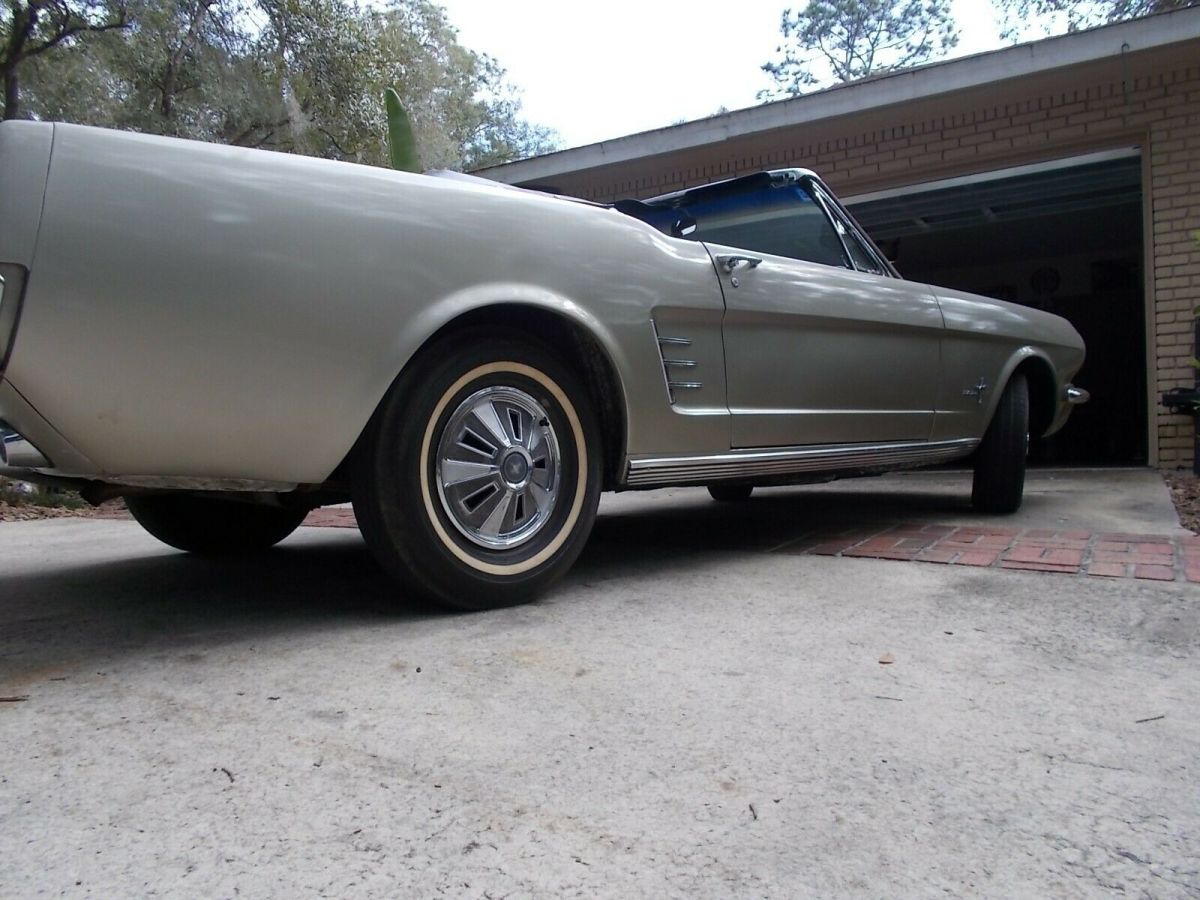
(1067, 238)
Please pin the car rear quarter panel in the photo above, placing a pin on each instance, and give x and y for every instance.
(209, 311)
(24, 162)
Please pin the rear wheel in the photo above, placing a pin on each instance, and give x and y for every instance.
(999, 481)
(730, 493)
(212, 527)
(478, 480)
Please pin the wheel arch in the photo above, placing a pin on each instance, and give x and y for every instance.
(1039, 374)
(578, 345)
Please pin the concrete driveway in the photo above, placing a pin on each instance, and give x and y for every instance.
(688, 715)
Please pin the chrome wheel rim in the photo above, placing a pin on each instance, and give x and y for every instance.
(498, 468)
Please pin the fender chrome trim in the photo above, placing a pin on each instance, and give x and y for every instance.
(763, 463)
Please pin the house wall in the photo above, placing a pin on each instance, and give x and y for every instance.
(1149, 99)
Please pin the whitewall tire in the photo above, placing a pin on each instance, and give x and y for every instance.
(478, 480)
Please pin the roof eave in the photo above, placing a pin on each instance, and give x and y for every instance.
(899, 87)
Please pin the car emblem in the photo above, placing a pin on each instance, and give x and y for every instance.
(977, 392)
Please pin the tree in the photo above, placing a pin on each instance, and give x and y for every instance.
(465, 113)
(852, 39)
(32, 28)
(186, 68)
(1078, 14)
(174, 67)
(323, 58)
(304, 76)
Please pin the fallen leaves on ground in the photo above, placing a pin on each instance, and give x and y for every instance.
(23, 512)
(1185, 492)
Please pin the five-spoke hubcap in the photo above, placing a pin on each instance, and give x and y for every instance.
(498, 467)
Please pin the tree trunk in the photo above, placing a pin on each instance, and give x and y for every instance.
(186, 44)
(12, 93)
(298, 123)
(20, 28)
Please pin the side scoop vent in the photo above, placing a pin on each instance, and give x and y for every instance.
(677, 363)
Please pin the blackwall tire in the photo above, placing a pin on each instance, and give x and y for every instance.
(730, 493)
(477, 482)
(999, 482)
(210, 527)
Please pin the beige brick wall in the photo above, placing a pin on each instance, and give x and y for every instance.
(1173, 116)
(1145, 101)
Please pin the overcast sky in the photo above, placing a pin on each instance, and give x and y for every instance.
(600, 70)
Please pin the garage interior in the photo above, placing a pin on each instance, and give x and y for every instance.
(1065, 237)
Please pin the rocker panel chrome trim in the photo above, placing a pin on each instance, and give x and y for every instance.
(749, 464)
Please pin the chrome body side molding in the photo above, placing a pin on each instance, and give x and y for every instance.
(748, 464)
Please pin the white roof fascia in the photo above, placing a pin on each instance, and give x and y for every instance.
(1053, 165)
(898, 87)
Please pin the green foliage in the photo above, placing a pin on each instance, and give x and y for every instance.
(845, 40)
(34, 29)
(402, 145)
(1077, 14)
(302, 76)
(19, 493)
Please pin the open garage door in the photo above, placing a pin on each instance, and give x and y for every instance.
(1064, 236)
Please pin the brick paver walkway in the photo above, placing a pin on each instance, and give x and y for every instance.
(1154, 557)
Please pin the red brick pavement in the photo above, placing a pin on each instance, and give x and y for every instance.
(1151, 557)
(332, 517)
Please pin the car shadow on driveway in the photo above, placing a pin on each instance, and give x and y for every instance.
(71, 612)
(105, 588)
(648, 526)
(682, 519)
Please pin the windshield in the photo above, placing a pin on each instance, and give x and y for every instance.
(784, 220)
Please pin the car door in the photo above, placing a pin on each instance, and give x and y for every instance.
(817, 351)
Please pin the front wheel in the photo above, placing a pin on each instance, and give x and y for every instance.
(212, 527)
(478, 480)
(999, 481)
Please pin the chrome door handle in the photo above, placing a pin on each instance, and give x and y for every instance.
(731, 262)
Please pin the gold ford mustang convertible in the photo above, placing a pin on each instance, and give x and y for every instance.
(229, 338)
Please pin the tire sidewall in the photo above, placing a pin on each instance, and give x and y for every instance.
(415, 538)
(999, 477)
